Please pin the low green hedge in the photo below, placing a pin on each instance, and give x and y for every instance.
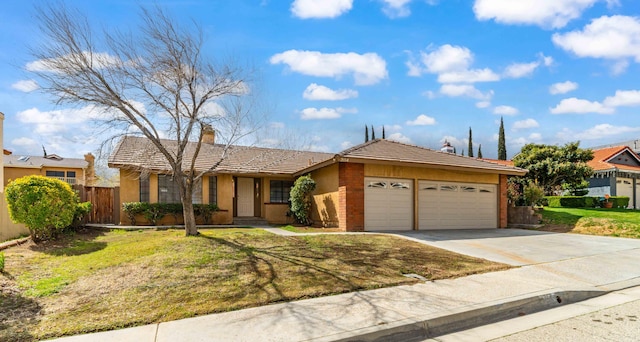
(585, 201)
(154, 212)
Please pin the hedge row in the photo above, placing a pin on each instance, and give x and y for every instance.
(585, 201)
(154, 212)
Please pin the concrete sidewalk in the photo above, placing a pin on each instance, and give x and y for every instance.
(582, 267)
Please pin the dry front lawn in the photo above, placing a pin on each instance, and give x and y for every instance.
(99, 281)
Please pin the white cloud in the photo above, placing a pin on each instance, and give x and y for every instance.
(325, 113)
(451, 64)
(26, 143)
(396, 8)
(319, 148)
(619, 67)
(455, 141)
(319, 92)
(525, 124)
(469, 76)
(597, 132)
(623, 98)
(517, 70)
(55, 121)
(98, 59)
(422, 120)
(466, 90)
(483, 104)
(399, 137)
(447, 58)
(544, 13)
(346, 144)
(394, 128)
(616, 38)
(306, 9)
(535, 136)
(367, 69)
(580, 106)
(562, 87)
(505, 110)
(25, 85)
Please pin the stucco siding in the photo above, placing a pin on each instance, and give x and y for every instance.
(377, 170)
(324, 210)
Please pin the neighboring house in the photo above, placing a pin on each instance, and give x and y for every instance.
(617, 173)
(634, 145)
(70, 170)
(378, 185)
(8, 229)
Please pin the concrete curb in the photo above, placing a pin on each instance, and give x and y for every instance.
(420, 328)
(12, 243)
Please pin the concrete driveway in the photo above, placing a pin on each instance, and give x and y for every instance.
(519, 247)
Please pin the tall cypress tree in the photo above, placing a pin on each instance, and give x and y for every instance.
(383, 136)
(470, 149)
(462, 154)
(454, 150)
(366, 133)
(480, 151)
(373, 133)
(502, 147)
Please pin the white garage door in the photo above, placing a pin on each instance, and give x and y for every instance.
(447, 205)
(388, 204)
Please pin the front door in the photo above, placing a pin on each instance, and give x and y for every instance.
(245, 196)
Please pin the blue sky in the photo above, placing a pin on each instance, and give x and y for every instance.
(555, 70)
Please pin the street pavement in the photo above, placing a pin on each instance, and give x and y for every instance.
(612, 317)
(554, 270)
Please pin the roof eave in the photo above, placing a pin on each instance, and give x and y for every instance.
(511, 171)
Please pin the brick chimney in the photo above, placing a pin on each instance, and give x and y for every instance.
(90, 172)
(208, 135)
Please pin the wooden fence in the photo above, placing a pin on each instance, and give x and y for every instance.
(105, 203)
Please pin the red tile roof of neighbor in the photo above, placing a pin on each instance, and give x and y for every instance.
(601, 157)
(139, 152)
(497, 161)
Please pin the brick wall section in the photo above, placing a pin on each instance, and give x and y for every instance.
(351, 197)
(503, 202)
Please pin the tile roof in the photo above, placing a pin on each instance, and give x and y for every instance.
(497, 161)
(14, 160)
(140, 152)
(601, 157)
(393, 151)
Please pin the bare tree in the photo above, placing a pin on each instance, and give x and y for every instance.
(154, 81)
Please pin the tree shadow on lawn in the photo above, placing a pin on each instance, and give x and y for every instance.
(265, 276)
(18, 314)
(72, 243)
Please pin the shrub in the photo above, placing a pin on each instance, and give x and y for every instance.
(154, 212)
(301, 199)
(1, 262)
(533, 194)
(44, 205)
(585, 201)
(82, 210)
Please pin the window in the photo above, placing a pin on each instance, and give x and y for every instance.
(279, 192)
(396, 185)
(380, 185)
(55, 174)
(168, 191)
(448, 188)
(468, 188)
(144, 188)
(71, 174)
(213, 190)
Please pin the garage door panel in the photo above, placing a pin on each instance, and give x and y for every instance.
(388, 204)
(449, 205)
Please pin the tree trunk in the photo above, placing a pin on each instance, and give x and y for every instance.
(189, 217)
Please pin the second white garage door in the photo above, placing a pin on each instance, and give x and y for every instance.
(388, 204)
(448, 205)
